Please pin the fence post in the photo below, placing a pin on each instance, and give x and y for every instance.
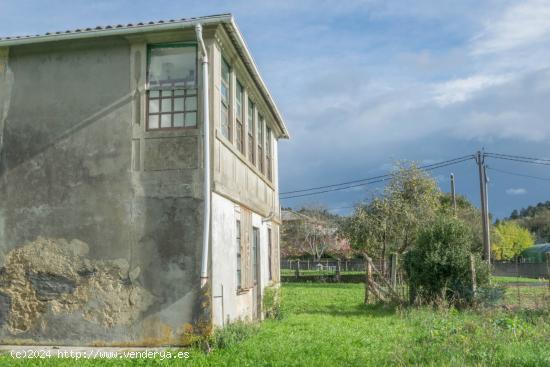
(548, 267)
(368, 278)
(338, 270)
(473, 274)
(394, 270)
(307, 264)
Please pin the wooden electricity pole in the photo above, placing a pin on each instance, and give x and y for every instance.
(453, 192)
(480, 160)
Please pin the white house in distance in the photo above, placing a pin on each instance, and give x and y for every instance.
(137, 162)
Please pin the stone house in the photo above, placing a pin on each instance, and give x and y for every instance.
(138, 183)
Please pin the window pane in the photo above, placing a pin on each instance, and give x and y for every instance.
(250, 116)
(190, 119)
(173, 66)
(179, 92)
(153, 106)
(260, 130)
(166, 105)
(166, 120)
(153, 121)
(268, 142)
(154, 94)
(178, 120)
(239, 101)
(225, 71)
(178, 104)
(224, 122)
(225, 93)
(191, 103)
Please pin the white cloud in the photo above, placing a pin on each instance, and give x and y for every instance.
(516, 191)
(522, 24)
(460, 90)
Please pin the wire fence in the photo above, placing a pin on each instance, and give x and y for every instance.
(514, 285)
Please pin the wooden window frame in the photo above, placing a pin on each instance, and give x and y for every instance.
(188, 93)
(239, 117)
(225, 105)
(251, 123)
(260, 143)
(268, 153)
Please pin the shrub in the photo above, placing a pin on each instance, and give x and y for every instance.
(438, 267)
(233, 334)
(272, 303)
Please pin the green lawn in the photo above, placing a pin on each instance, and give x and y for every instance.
(504, 280)
(327, 325)
(318, 272)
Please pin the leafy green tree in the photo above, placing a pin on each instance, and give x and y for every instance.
(367, 228)
(509, 240)
(468, 213)
(413, 200)
(439, 266)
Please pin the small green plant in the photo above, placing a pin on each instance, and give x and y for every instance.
(272, 303)
(233, 334)
(490, 295)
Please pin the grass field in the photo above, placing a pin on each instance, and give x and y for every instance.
(327, 325)
(318, 272)
(505, 280)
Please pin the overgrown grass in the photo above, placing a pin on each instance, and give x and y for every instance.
(327, 325)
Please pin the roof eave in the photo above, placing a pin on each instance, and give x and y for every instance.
(256, 74)
(114, 31)
(165, 26)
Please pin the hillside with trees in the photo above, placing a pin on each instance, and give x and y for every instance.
(536, 219)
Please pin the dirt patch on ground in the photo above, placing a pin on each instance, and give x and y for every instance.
(54, 275)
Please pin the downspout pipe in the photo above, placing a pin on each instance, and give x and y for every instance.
(206, 154)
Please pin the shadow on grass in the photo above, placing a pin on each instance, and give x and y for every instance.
(371, 310)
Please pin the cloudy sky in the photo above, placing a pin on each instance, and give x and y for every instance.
(364, 83)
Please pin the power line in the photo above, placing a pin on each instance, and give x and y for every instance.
(517, 174)
(384, 178)
(381, 177)
(336, 189)
(519, 159)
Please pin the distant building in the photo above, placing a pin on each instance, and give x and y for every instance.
(104, 181)
(536, 253)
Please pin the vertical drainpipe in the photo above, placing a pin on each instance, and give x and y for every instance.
(206, 147)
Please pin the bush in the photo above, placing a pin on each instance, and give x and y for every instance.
(233, 334)
(272, 303)
(438, 267)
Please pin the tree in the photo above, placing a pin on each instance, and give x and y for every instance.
(468, 213)
(367, 228)
(413, 200)
(439, 266)
(509, 240)
(311, 231)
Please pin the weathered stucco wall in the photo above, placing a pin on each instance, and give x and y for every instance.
(228, 303)
(98, 228)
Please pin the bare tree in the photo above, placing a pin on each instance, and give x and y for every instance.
(311, 231)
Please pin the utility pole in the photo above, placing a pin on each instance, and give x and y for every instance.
(480, 160)
(453, 192)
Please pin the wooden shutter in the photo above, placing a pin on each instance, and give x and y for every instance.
(275, 254)
(246, 246)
